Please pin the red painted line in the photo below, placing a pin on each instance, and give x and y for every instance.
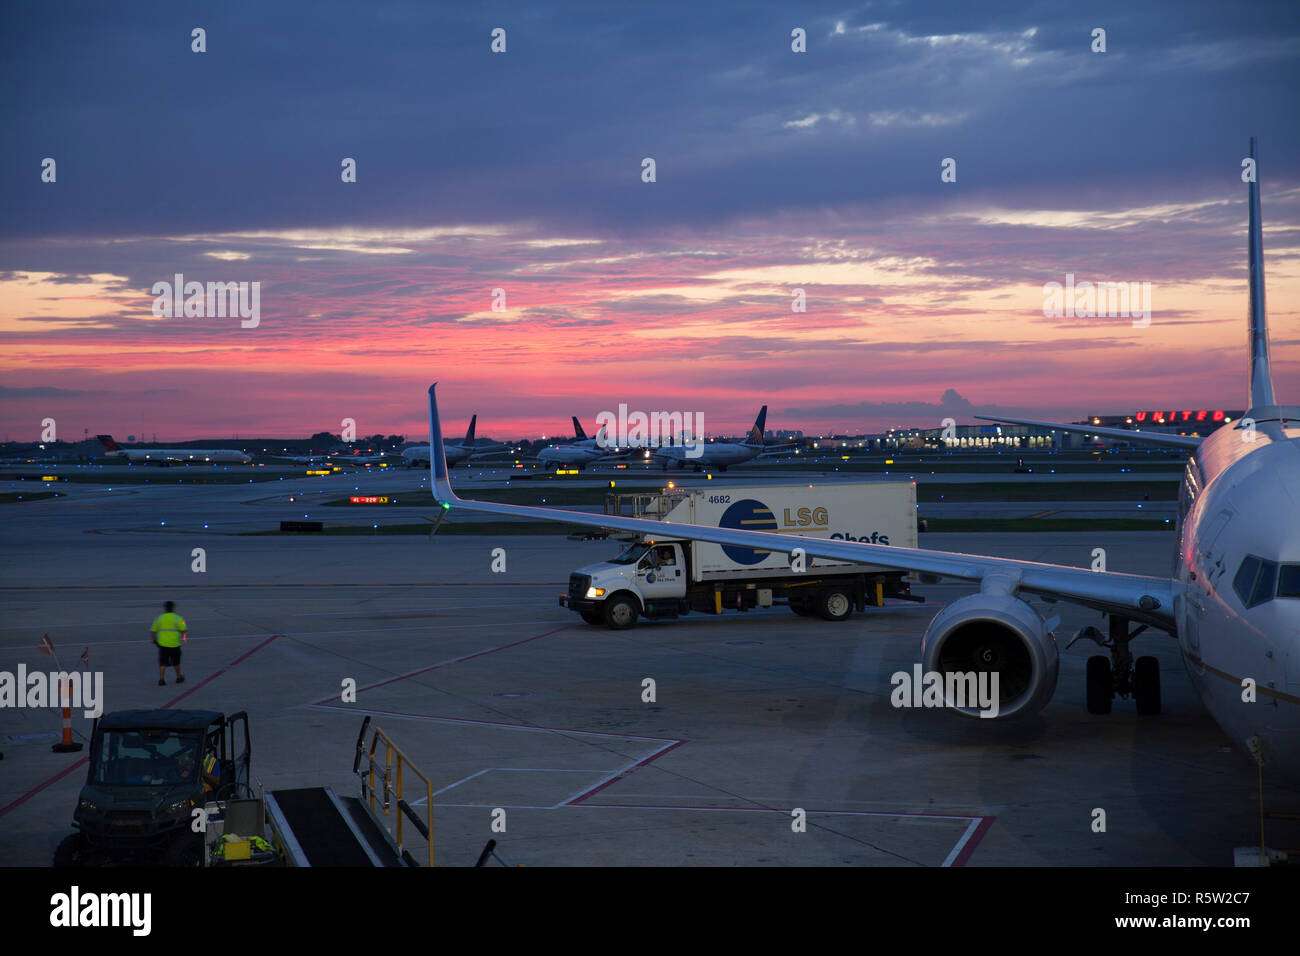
(969, 849)
(324, 702)
(839, 813)
(493, 723)
(213, 676)
(630, 770)
(84, 760)
(39, 787)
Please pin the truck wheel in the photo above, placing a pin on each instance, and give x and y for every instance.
(593, 615)
(184, 851)
(835, 604)
(71, 852)
(620, 613)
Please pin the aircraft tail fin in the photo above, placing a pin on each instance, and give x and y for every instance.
(108, 443)
(760, 424)
(1261, 375)
(469, 434)
(578, 433)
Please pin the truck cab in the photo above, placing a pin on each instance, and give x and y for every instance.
(648, 577)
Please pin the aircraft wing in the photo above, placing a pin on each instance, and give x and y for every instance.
(1141, 598)
(1124, 434)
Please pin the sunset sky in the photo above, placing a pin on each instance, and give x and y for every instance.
(522, 171)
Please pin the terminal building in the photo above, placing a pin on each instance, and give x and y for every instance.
(994, 437)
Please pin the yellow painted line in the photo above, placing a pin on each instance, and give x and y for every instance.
(1259, 688)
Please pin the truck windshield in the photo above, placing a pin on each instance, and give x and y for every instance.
(151, 758)
(632, 555)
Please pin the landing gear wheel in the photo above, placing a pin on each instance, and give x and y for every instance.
(1146, 685)
(593, 615)
(835, 604)
(620, 613)
(1101, 685)
(72, 852)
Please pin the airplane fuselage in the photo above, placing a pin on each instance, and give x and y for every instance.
(1240, 500)
(575, 453)
(711, 453)
(419, 455)
(196, 456)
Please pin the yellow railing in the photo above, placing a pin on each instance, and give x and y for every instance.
(391, 779)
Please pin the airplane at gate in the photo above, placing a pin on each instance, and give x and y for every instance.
(1232, 601)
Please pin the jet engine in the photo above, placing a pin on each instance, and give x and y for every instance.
(998, 634)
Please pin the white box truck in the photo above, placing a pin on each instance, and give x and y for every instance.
(667, 577)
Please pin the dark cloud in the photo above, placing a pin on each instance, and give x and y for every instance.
(152, 138)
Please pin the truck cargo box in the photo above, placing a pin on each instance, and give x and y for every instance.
(877, 512)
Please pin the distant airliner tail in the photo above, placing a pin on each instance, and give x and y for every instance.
(578, 433)
(469, 435)
(760, 424)
(1261, 375)
(108, 443)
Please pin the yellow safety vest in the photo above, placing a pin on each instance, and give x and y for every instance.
(168, 627)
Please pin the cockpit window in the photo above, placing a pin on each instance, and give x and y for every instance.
(1244, 582)
(1265, 583)
(1256, 580)
(1288, 581)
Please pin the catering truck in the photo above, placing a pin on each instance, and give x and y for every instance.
(663, 577)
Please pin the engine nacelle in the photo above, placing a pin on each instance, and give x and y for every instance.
(995, 633)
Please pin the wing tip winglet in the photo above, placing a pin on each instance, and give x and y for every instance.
(438, 474)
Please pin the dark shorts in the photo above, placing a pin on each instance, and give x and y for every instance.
(169, 657)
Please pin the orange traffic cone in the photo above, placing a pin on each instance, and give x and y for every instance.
(67, 745)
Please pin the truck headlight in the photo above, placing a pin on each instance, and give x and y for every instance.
(177, 806)
(594, 592)
(89, 805)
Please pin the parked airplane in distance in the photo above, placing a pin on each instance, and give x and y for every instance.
(581, 450)
(716, 456)
(1232, 601)
(418, 455)
(168, 456)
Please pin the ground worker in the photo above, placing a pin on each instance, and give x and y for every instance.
(169, 632)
